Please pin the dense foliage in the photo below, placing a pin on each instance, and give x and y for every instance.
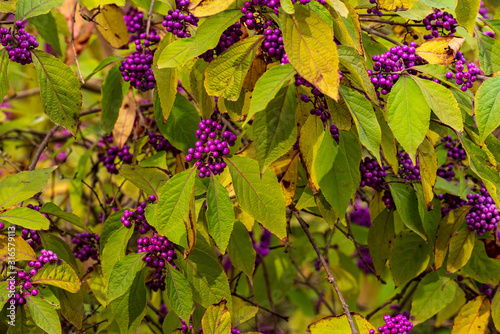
(264, 166)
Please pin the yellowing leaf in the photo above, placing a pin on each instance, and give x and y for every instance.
(340, 325)
(395, 5)
(112, 26)
(19, 249)
(217, 319)
(339, 7)
(60, 274)
(286, 168)
(310, 49)
(224, 76)
(473, 317)
(466, 12)
(310, 139)
(440, 50)
(495, 310)
(125, 122)
(202, 8)
(428, 168)
(461, 247)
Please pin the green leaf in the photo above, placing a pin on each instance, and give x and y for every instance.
(473, 317)
(21, 186)
(44, 314)
(72, 307)
(8, 6)
(224, 76)
(310, 140)
(106, 62)
(47, 28)
(461, 246)
(4, 79)
(433, 294)
(381, 239)
(339, 180)
(23, 250)
(114, 249)
(150, 180)
(110, 226)
(409, 257)
(466, 12)
(26, 218)
(173, 205)
(175, 54)
(407, 205)
(217, 319)
(54, 210)
(274, 128)
(259, 196)
(167, 80)
(240, 249)
(340, 325)
(495, 310)
(24, 323)
(209, 32)
(59, 89)
(287, 6)
(408, 114)
(442, 102)
(268, 85)
(348, 29)
(4, 293)
(355, 64)
(181, 124)
(310, 49)
(205, 102)
(365, 120)
(179, 293)
(113, 91)
(487, 107)
(130, 308)
(220, 213)
(30, 8)
(59, 274)
(123, 275)
(481, 267)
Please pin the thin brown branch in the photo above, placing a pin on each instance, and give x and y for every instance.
(331, 278)
(392, 22)
(150, 16)
(41, 147)
(379, 34)
(95, 194)
(397, 297)
(73, 42)
(7, 160)
(259, 306)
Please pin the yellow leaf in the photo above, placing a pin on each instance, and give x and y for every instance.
(440, 50)
(428, 169)
(126, 118)
(217, 319)
(340, 325)
(286, 168)
(112, 26)
(202, 8)
(311, 50)
(16, 247)
(473, 317)
(310, 139)
(395, 5)
(461, 246)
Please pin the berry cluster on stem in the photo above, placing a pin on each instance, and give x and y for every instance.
(138, 217)
(18, 43)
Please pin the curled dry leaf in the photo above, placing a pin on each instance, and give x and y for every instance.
(440, 50)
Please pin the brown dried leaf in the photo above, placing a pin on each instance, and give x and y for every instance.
(125, 122)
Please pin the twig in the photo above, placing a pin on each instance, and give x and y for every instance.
(375, 15)
(397, 297)
(94, 325)
(7, 22)
(7, 160)
(379, 34)
(331, 278)
(259, 306)
(73, 42)
(150, 15)
(392, 22)
(268, 289)
(41, 147)
(149, 320)
(95, 193)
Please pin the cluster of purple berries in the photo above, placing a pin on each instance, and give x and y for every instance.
(484, 216)
(483, 11)
(159, 250)
(439, 20)
(134, 20)
(407, 170)
(273, 47)
(464, 79)
(210, 148)
(372, 174)
(86, 246)
(163, 311)
(32, 236)
(252, 18)
(488, 290)
(383, 75)
(455, 149)
(374, 10)
(26, 287)
(229, 37)
(398, 324)
(450, 202)
(147, 40)
(178, 23)
(185, 327)
(18, 43)
(138, 216)
(137, 69)
(388, 200)
(271, 4)
(446, 172)
(161, 143)
(334, 131)
(364, 260)
(261, 248)
(361, 216)
(108, 158)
